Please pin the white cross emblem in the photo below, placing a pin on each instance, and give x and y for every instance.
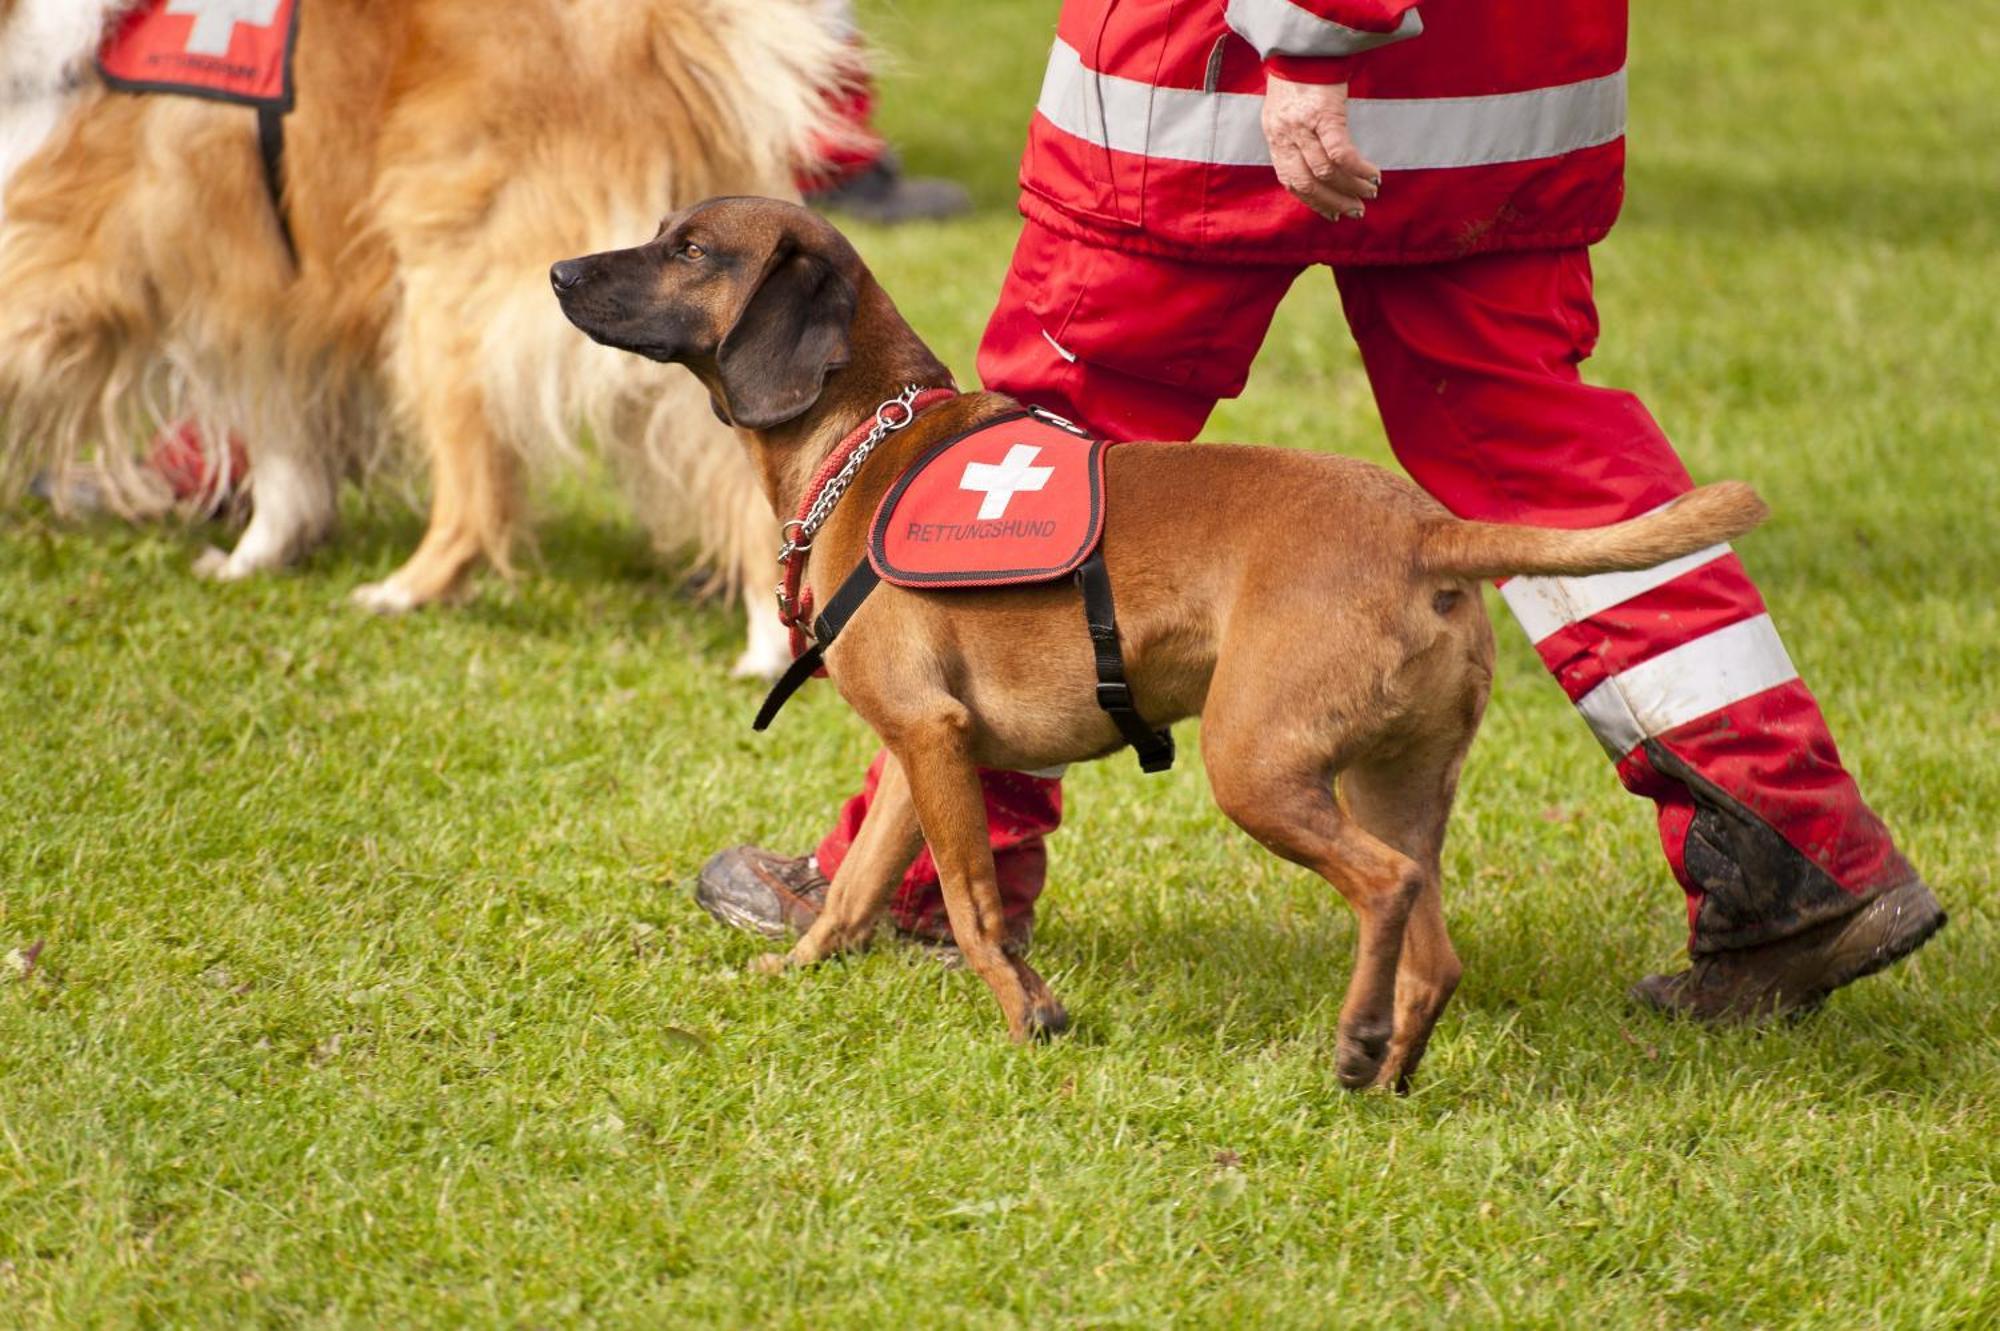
(1001, 483)
(215, 21)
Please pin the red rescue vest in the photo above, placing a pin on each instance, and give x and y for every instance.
(1015, 500)
(227, 50)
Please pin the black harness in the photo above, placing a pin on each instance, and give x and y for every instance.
(271, 110)
(271, 148)
(1155, 748)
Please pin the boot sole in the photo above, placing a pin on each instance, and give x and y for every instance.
(1930, 917)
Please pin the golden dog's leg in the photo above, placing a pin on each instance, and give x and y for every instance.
(475, 496)
(945, 787)
(889, 839)
(294, 492)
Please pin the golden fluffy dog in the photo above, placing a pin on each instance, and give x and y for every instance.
(1320, 615)
(442, 154)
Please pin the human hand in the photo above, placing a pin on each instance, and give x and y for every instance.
(1306, 126)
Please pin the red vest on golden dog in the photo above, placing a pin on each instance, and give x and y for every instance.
(227, 50)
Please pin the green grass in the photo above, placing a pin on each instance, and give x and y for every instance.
(371, 995)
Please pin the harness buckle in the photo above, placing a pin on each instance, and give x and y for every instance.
(1114, 695)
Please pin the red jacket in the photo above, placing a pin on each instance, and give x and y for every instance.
(1497, 126)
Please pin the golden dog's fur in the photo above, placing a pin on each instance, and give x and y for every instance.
(442, 154)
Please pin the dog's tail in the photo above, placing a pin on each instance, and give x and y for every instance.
(1703, 517)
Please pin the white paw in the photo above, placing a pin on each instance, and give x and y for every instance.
(216, 566)
(761, 661)
(210, 564)
(384, 598)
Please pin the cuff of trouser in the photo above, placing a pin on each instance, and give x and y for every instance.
(1320, 69)
(1753, 886)
(1021, 872)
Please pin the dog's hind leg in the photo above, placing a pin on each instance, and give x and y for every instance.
(1273, 777)
(1406, 802)
(1403, 794)
(867, 878)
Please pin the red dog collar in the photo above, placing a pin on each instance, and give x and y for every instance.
(829, 483)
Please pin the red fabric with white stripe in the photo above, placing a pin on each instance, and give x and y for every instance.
(1170, 186)
(1453, 355)
(1475, 369)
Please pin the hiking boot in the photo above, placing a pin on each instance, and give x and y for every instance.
(777, 896)
(882, 194)
(1794, 975)
(762, 892)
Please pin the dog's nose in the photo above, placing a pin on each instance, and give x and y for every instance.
(566, 275)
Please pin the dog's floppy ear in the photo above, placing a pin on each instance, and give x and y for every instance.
(792, 333)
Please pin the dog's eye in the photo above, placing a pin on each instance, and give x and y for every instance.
(690, 251)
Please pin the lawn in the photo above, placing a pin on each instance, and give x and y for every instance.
(370, 992)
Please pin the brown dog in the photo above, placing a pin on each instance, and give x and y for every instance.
(1321, 615)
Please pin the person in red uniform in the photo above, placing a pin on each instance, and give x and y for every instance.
(1451, 161)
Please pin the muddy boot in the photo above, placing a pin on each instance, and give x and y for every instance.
(761, 891)
(777, 896)
(1792, 976)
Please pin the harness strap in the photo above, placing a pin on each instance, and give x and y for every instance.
(271, 147)
(1155, 748)
(840, 608)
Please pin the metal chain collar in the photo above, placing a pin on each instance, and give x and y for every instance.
(890, 416)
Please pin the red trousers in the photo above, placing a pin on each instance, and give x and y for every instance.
(1475, 369)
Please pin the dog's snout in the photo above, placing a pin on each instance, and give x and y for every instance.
(567, 275)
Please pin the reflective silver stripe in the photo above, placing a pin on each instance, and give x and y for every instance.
(1279, 27)
(1544, 605)
(1397, 134)
(1686, 684)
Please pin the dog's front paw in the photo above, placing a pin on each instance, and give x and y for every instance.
(212, 564)
(761, 662)
(772, 963)
(769, 649)
(384, 598)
